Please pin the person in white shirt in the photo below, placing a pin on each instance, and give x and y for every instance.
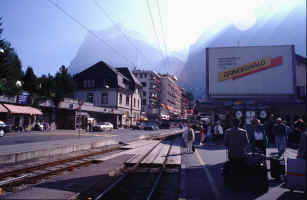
(188, 137)
(258, 137)
(218, 130)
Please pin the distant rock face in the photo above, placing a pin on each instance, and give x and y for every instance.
(126, 54)
(286, 29)
(170, 65)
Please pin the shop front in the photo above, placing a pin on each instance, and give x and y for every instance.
(19, 117)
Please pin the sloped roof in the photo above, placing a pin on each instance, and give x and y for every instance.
(126, 72)
(300, 59)
(101, 64)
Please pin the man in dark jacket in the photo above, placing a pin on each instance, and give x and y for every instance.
(237, 142)
(300, 127)
(279, 131)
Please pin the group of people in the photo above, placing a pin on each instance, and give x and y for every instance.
(210, 133)
(239, 141)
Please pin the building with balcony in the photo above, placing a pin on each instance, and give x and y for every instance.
(171, 95)
(150, 93)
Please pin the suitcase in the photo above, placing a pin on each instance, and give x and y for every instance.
(296, 174)
(277, 166)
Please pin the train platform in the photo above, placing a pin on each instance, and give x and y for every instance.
(15, 153)
(20, 152)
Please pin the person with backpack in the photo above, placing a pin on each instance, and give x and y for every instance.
(189, 138)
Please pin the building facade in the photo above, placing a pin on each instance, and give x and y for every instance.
(171, 95)
(150, 92)
(106, 87)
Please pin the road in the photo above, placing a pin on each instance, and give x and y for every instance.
(203, 179)
(123, 135)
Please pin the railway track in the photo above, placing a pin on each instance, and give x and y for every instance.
(138, 182)
(31, 174)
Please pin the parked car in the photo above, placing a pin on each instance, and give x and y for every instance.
(4, 128)
(164, 125)
(139, 126)
(103, 126)
(150, 125)
(38, 127)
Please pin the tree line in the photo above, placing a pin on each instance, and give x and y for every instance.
(44, 87)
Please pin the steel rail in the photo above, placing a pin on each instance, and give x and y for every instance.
(30, 178)
(130, 170)
(54, 163)
(160, 174)
(120, 179)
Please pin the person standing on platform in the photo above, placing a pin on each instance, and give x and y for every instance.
(300, 127)
(268, 125)
(279, 131)
(201, 134)
(258, 137)
(218, 131)
(236, 140)
(189, 137)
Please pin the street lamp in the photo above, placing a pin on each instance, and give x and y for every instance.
(1, 50)
(18, 84)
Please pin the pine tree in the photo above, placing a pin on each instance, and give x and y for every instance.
(10, 68)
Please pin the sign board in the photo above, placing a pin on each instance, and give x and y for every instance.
(250, 71)
(23, 98)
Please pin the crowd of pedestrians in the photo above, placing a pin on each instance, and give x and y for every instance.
(274, 131)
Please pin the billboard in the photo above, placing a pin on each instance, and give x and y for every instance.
(250, 71)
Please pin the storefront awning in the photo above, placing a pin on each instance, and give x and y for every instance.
(3, 109)
(14, 109)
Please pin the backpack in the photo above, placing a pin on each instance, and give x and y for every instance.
(190, 136)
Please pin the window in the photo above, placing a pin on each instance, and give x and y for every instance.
(135, 74)
(120, 98)
(90, 97)
(85, 84)
(144, 102)
(104, 98)
(141, 75)
(144, 84)
(134, 102)
(127, 100)
(145, 75)
(144, 94)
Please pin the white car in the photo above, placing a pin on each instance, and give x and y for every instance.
(103, 126)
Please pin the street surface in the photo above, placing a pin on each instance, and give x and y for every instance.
(203, 178)
(123, 135)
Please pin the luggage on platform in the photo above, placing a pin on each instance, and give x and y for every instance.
(296, 174)
(277, 166)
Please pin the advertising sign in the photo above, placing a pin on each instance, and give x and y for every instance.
(23, 98)
(250, 71)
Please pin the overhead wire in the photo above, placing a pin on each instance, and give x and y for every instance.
(89, 31)
(119, 29)
(154, 27)
(162, 32)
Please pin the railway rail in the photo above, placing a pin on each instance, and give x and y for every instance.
(33, 173)
(36, 172)
(137, 182)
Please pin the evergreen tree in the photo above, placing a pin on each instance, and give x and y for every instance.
(10, 68)
(64, 83)
(30, 81)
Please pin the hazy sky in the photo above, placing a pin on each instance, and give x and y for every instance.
(45, 38)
